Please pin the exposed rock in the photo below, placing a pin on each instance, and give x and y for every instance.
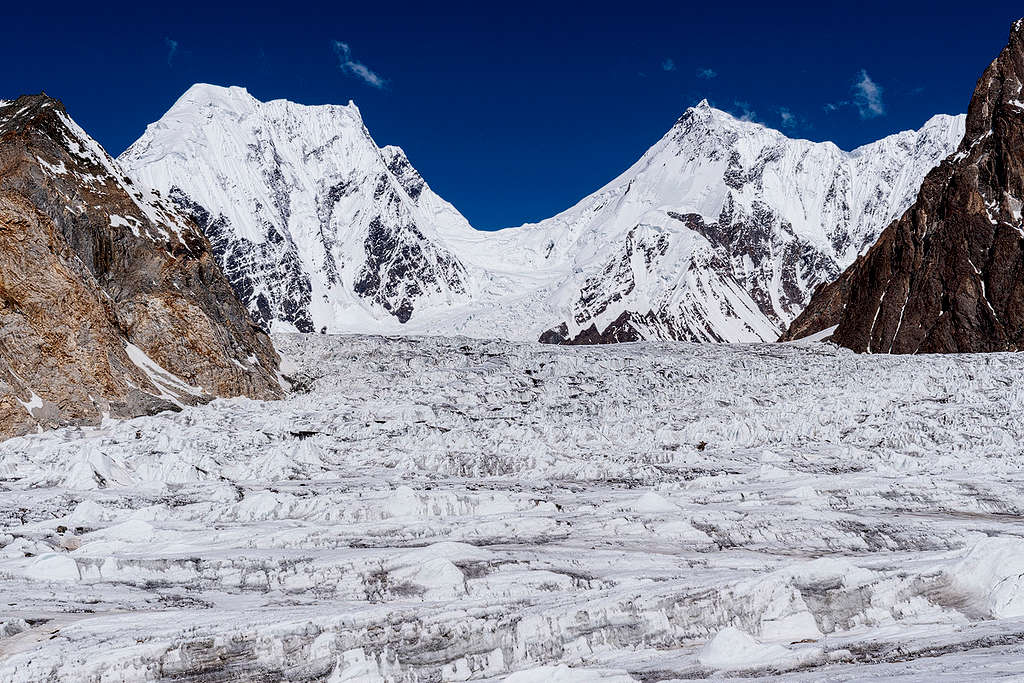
(111, 302)
(628, 327)
(251, 266)
(948, 276)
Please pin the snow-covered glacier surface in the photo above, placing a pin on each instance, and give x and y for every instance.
(449, 509)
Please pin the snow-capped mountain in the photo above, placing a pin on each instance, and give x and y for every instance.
(724, 228)
(720, 232)
(313, 222)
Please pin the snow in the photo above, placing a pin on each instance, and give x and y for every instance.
(131, 222)
(992, 577)
(734, 649)
(314, 176)
(816, 337)
(56, 169)
(34, 401)
(1015, 208)
(168, 385)
(431, 508)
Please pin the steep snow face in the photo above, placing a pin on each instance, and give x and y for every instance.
(317, 228)
(720, 232)
(773, 218)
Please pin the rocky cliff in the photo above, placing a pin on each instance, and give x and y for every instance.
(948, 276)
(111, 302)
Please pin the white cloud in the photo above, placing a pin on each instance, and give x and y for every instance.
(357, 69)
(788, 118)
(706, 74)
(867, 96)
(668, 65)
(172, 49)
(746, 113)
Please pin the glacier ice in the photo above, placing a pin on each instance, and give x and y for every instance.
(428, 508)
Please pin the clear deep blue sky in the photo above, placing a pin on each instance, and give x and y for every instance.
(513, 111)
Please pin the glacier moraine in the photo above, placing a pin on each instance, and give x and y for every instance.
(451, 509)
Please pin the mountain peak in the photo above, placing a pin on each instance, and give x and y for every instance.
(321, 229)
(214, 91)
(998, 94)
(19, 113)
(38, 100)
(700, 112)
(232, 98)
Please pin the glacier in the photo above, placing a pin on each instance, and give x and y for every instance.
(721, 231)
(450, 508)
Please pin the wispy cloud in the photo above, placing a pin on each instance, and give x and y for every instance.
(706, 74)
(787, 117)
(172, 49)
(867, 97)
(356, 69)
(668, 65)
(746, 113)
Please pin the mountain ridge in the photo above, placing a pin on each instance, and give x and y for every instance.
(383, 253)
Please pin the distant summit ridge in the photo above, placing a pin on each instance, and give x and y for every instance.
(720, 232)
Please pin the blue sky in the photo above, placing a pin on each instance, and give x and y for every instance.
(514, 111)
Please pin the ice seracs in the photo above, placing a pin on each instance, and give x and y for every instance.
(720, 232)
(455, 509)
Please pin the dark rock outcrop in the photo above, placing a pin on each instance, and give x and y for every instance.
(628, 327)
(249, 266)
(111, 302)
(948, 276)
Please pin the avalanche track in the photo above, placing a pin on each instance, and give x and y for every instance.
(450, 509)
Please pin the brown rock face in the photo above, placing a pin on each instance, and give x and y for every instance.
(949, 275)
(110, 301)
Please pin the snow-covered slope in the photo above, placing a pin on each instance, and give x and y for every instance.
(721, 231)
